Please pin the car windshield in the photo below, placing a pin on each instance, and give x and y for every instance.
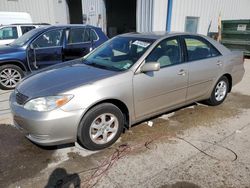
(25, 38)
(119, 54)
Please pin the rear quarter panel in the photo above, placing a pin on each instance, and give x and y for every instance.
(232, 64)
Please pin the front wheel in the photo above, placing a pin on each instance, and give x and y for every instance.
(101, 127)
(10, 76)
(219, 93)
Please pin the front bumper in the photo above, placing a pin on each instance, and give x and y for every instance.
(46, 128)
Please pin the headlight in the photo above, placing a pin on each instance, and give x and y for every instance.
(48, 103)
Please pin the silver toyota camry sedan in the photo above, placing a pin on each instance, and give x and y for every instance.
(128, 79)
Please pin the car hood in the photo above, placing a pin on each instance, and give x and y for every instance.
(6, 49)
(61, 78)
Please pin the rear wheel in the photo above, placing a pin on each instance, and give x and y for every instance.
(219, 93)
(101, 126)
(10, 76)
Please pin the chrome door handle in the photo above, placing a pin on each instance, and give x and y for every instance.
(182, 72)
(219, 63)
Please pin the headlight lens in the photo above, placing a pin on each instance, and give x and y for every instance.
(48, 103)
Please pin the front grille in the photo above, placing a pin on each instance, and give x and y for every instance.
(21, 98)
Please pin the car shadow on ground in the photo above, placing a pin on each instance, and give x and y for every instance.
(59, 178)
(182, 184)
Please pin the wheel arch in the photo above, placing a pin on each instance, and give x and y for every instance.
(14, 62)
(118, 103)
(229, 78)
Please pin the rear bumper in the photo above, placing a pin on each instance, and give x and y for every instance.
(46, 128)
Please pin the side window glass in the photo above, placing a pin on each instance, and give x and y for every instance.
(49, 39)
(197, 49)
(26, 29)
(93, 35)
(168, 52)
(78, 35)
(8, 33)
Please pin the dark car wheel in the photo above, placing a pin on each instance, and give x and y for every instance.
(101, 126)
(220, 91)
(10, 76)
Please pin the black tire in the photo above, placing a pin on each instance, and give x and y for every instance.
(83, 133)
(12, 67)
(212, 101)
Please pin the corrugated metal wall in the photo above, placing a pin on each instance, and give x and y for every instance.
(159, 15)
(144, 15)
(96, 13)
(208, 11)
(49, 11)
(150, 14)
(144, 12)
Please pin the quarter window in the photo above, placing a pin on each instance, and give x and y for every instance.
(93, 35)
(8, 33)
(198, 49)
(167, 52)
(49, 39)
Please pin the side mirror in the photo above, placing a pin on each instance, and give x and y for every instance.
(151, 66)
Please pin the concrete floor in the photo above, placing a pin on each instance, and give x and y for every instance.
(195, 147)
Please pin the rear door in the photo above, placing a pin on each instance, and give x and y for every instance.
(78, 43)
(204, 65)
(46, 49)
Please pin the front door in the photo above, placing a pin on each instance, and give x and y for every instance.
(156, 91)
(46, 50)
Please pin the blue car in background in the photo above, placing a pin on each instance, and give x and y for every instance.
(43, 47)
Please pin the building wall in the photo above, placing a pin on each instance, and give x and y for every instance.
(47, 11)
(144, 15)
(159, 15)
(208, 12)
(61, 12)
(95, 12)
(150, 14)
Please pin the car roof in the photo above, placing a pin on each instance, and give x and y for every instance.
(26, 24)
(156, 35)
(30, 24)
(70, 25)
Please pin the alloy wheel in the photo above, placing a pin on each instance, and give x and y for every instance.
(220, 90)
(9, 77)
(104, 128)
